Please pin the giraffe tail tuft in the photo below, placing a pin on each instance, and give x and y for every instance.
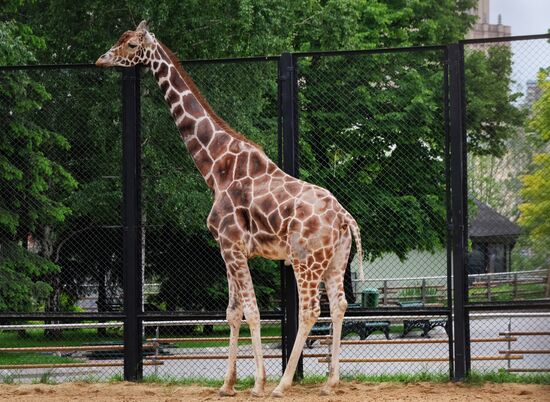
(357, 236)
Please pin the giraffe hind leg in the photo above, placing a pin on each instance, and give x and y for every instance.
(334, 283)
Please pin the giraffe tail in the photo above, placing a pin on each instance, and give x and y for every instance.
(357, 236)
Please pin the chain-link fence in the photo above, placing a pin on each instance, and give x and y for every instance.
(373, 131)
(373, 127)
(61, 233)
(507, 97)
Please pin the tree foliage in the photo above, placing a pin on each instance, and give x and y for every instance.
(535, 208)
(34, 184)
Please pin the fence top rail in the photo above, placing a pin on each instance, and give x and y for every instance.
(426, 48)
(505, 39)
(231, 60)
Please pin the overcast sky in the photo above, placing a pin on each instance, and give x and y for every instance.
(526, 17)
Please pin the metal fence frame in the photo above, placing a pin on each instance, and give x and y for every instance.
(457, 312)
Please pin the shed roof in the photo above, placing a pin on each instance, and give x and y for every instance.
(488, 223)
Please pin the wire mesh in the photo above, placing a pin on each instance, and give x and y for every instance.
(60, 203)
(372, 131)
(507, 96)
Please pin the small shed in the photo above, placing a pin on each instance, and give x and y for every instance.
(493, 237)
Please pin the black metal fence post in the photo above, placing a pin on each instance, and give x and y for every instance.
(288, 83)
(458, 201)
(131, 152)
(449, 209)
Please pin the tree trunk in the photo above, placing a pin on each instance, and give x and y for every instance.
(102, 304)
(53, 304)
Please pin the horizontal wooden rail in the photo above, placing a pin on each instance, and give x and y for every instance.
(72, 365)
(415, 341)
(524, 333)
(414, 359)
(224, 357)
(528, 370)
(70, 348)
(525, 351)
(223, 339)
(213, 339)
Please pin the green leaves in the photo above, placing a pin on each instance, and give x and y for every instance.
(33, 184)
(491, 114)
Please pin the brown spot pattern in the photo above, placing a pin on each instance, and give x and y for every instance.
(192, 106)
(223, 170)
(204, 132)
(186, 127)
(176, 80)
(162, 71)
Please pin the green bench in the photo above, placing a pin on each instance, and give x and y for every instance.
(425, 325)
(362, 328)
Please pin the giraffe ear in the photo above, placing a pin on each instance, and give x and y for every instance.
(143, 26)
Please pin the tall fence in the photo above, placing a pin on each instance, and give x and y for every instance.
(108, 269)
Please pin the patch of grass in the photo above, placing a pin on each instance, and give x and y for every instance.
(116, 378)
(241, 384)
(8, 379)
(399, 377)
(430, 294)
(71, 337)
(503, 293)
(33, 358)
(45, 378)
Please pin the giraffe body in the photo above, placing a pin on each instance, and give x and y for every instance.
(258, 210)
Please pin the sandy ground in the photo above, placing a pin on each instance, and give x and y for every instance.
(346, 392)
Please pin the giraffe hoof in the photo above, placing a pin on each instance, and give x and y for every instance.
(227, 392)
(327, 391)
(257, 393)
(277, 393)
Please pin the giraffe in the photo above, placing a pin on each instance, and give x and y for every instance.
(258, 210)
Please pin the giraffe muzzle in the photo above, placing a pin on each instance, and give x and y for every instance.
(105, 60)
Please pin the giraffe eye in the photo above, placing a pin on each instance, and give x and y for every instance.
(132, 45)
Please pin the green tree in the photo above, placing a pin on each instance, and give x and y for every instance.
(535, 192)
(33, 184)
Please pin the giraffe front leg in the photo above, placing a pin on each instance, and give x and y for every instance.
(234, 316)
(252, 316)
(239, 276)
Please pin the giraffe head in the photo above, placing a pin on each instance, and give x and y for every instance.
(133, 47)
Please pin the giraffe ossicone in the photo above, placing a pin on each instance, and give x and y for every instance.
(258, 210)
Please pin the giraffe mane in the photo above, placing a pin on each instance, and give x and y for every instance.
(123, 38)
(202, 100)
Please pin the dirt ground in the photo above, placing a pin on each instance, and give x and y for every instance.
(346, 392)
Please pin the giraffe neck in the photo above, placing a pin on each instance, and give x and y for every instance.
(205, 135)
